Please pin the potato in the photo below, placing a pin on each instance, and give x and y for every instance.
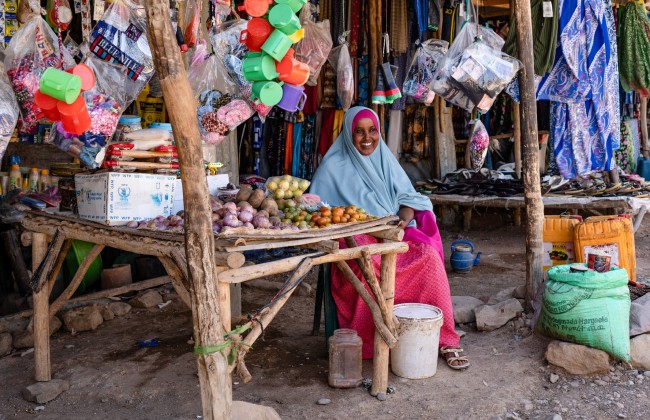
(243, 194)
(270, 206)
(256, 198)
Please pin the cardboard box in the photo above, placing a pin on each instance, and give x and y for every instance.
(214, 183)
(116, 198)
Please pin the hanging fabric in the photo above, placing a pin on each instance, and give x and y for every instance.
(634, 47)
(398, 27)
(416, 143)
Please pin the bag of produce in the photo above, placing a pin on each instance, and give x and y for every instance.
(588, 308)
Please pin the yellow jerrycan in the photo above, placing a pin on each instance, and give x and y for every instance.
(558, 240)
(610, 235)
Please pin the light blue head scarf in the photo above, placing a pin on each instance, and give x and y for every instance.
(376, 182)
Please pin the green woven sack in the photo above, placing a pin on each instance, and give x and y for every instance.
(588, 308)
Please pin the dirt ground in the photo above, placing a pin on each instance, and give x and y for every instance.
(112, 378)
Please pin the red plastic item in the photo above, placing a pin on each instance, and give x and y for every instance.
(48, 105)
(165, 149)
(256, 8)
(291, 70)
(120, 146)
(86, 74)
(74, 117)
(256, 32)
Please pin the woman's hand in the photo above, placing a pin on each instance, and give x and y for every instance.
(405, 215)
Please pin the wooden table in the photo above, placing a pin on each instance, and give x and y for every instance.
(322, 245)
(635, 206)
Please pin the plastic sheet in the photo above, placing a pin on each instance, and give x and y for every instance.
(316, 45)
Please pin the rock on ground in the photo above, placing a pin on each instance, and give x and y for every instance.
(85, 318)
(247, 411)
(491, 317)
(107, 314)
(464, 308)
(119, 308)
(577, 359)
(501, 296)
(23, 340)
(6, 343)
(42, 392)
(148, 299)
(640, 351)
(55, 325)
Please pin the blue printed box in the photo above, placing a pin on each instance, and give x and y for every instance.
(115, 198)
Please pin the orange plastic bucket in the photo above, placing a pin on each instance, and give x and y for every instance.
(48, 105)
(256, 32)
(291, 70)
(255, 8)
(86, 74)
(74, 117)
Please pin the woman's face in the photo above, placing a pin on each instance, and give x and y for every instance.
(365, 136)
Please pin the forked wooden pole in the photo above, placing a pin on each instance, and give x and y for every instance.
(380, 360)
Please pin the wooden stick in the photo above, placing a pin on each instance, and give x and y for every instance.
(54, 273)
(12, 247)
(176, 277)
(246, 273)
(266, 318)
(42, 367)
(325, 246)
(395, 234)
(381, 353)
(229, 259)
(43, 271)
(516, 116)
(223, 289)
(645, 151)
(77, 279)
(377, 316)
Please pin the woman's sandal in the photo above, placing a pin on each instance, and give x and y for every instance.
(452, 354)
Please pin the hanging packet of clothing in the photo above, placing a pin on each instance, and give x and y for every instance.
(221, 105)
(31, 51)
(423, 66)
(120, 37)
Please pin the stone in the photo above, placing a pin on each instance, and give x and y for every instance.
(107, 314)
(527, 405)
(464, 308)
(23, 340)
(148, 299)
(242, 410)
(169, 296)
(600, 382)
(577, 359)
(381, 396)
(519, 292)
(84, 318)
(119, 308)
(501, 296)
(13, 323)
(42, 392)
(640, 352)
(491, 317)
(646, 373)
(6, 343)
(324, 401)
(554, 378)
(55, 324)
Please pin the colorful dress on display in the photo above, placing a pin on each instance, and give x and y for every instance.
(583, 88)
(379, 184)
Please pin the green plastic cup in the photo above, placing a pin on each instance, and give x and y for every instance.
(267, 92)
(259, 67)
(60, 85)
(295, 5)
(277, 45)
(284, 19)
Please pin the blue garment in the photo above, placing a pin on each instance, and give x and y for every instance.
(583, 88)
(297, 140)
(376, 182)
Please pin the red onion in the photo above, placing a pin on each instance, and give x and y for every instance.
(215, 217)
(261, 222)
(230, 220)
(245, 216)
(249, 225)
(216, 227)
(231, 205)
(132, 224)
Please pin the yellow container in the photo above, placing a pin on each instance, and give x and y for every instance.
(558, 240)
(609, 235)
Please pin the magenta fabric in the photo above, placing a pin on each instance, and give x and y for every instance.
(364, 113)
(426, 231)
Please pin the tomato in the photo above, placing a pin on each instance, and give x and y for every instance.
(326, 212)
(336, 219)
(354, 217)
(323, 208)
(338, 211)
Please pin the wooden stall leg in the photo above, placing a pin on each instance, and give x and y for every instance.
(235, 300)
(447, 216)
(467, 219)
(178, 280)
(223, 290)
(517, 216)
(41, 314)
(380, 361)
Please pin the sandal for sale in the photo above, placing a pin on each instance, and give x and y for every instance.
(453, 355)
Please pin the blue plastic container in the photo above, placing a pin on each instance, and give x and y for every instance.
(643, 168)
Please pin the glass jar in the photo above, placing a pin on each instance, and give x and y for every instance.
(127, 124)
(345, 359)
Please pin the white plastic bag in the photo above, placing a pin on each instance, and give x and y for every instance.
(344, 77)
(316, 45)
(8, 112)
(423, 66)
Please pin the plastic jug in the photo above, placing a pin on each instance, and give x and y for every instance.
(277, 45)
(295, 5)
(293, 97)
(60, 85)
(345, 359)
(48, 105)
(85, 73)
(643, 168)
(74, 117)
(256, 33)
(558, 240)
(258, 67)
(256, 8)
(284, 19)
(462, 258)
(291, 70)
(268, 92)
(609, 235)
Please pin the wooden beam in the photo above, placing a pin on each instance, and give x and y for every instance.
(214, 375)
(381, 350)
(42, 369)
(529, 136)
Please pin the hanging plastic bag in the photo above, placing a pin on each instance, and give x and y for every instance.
(8, 111)
(423, 66)
(120, 37)
(478, 145)
(316, 45)
(221, 105)
(31, 51)
(340, 60)
(192, 22)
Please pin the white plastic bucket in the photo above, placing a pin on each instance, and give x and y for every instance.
(416, 354)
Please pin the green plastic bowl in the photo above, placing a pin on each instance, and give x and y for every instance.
(73, 260)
